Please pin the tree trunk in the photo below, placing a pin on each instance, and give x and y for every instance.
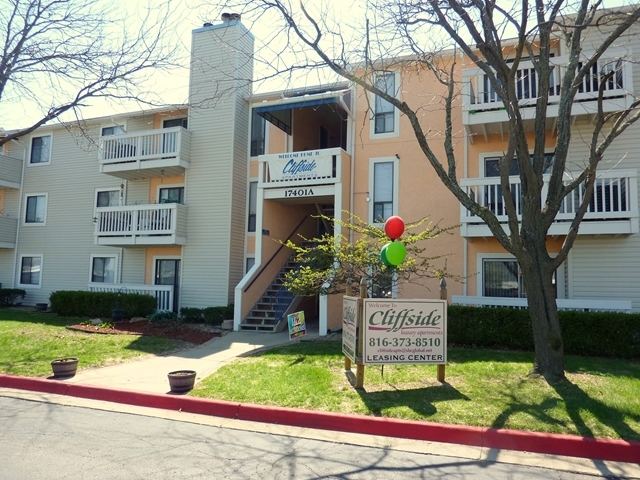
(541, 297)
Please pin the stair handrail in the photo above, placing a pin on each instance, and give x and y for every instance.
(283, 300)
(282, 245)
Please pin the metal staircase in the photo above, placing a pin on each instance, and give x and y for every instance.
(270, 309)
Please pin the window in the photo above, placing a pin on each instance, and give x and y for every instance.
(40, 150)
(251, 261)
(30, 270)
(383, 191)
(36, 209)
(175, 122)
(258, 134)
(502, 278)
(107, 198)
(492, 167)
(172, 195)
(253, 201)
(115, 130)
(103, 269)
(384, 113)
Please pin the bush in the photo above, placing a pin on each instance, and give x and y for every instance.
(100, 304)
(9, 295)
(163, 316)
(210, 315)
(597, 334)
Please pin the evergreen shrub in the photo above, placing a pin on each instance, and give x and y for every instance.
(595, 334)
(79, 303)
(9, 295)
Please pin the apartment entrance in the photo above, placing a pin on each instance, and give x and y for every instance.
(168, 273)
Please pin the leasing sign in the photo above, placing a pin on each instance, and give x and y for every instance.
(349, 325)
(405, 331)
(300, 166)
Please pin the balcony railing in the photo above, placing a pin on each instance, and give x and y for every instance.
(153, 151)
(164, 224)
(585, 305)
(8, 229)
(163, 293)
(480, 96)
(311, 167)
(10, 172)
(615, 198)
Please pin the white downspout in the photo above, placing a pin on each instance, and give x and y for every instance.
(465, 241)
(15, 250)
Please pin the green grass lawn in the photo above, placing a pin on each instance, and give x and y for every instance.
(29, 341)
(601, 397)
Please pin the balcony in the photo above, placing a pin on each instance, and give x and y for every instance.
(312, 173)
(483, 112)
(10, 172)
(141, 225)
(147, 154)
(613, 210)
(8, 229)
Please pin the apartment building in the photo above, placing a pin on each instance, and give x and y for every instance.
(190, 203)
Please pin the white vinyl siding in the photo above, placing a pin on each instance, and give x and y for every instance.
(217, 176)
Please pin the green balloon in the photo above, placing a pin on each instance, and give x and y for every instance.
(383, 255)
(396, 252)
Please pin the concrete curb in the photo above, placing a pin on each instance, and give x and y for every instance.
(554, 444)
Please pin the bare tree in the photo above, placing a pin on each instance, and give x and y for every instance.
(410, 35)
(60, 54)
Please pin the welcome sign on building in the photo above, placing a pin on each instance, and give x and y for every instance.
(405, 331)
(300, 166)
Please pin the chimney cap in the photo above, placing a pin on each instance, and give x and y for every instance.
(227, 17)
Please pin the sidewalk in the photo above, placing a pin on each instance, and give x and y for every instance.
(150, 374)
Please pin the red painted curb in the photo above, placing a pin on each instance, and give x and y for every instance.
(568, 445)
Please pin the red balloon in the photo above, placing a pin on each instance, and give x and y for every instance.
(394, 227)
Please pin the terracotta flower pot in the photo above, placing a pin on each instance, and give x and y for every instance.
(181, 380)
(64, 367)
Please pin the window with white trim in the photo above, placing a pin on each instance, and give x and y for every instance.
(103, 268)
(30, 270)
(502, 277)
(35, 212)
(40, 150)
(171, 195)
(253, 206)
(383, 191)
(114, 130)
(386, 118)
(108, 198)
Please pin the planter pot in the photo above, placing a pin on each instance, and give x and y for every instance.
(42, 307)
(181, 380)
(64, 367)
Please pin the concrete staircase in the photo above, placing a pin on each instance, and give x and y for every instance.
(274, 302)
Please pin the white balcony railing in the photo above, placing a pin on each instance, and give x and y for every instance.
(10, 172)
(146, 154)
(479, 95)
(310, 167)
(8, 229)
(163, 293)
(589, 305)
(164, 224)
(615, 197)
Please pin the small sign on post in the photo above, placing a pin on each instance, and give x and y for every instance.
(349, 325)
(297, 325)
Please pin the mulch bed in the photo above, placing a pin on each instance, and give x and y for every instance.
(181, 331)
